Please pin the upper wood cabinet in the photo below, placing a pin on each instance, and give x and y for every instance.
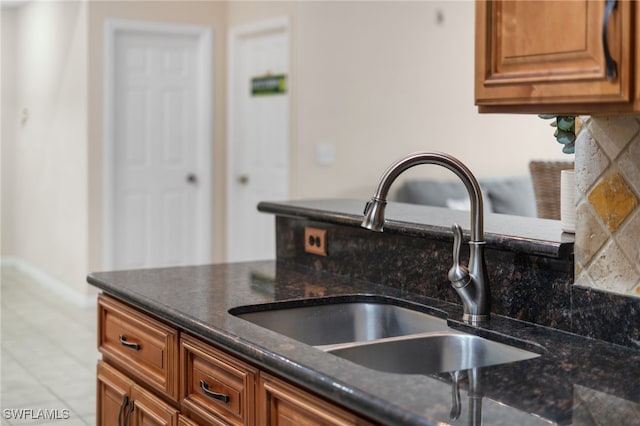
(551, 56)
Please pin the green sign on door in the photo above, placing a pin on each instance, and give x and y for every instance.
(269, 85)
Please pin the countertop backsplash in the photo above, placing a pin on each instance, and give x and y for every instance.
(607, 253)
(528, 281)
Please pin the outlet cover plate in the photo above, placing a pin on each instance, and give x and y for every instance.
(315, 241)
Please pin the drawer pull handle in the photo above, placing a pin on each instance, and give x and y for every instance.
(610, 63)
(219, 396)
(130, 345)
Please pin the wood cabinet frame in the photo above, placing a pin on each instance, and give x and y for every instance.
(130, 392)
(513, 74)
(133, 405)
(155, 362)
(226, 376)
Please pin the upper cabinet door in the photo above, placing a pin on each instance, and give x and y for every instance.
(551, 56)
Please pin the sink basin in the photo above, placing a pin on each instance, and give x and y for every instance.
(381, 335)
(434, 353)
(334, 323)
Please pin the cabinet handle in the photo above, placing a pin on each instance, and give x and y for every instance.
(219, 396)
(610, 63)
(129, 411)
(125, 402)
(130, 345)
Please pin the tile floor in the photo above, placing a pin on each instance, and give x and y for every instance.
(48, 357)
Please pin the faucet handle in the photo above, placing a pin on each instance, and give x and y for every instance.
(458, 274)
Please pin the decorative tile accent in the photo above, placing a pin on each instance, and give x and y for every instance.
(614, 132)
(583, 278)
(612, 200)
(629, 238)
(590, 161)
(612, 271)
(594, 236)
(629, 163)
(607, 251)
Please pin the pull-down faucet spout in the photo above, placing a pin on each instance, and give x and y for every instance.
(470, 283)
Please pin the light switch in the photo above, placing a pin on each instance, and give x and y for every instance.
(325, 154)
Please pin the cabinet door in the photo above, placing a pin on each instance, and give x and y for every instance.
(121, 402)
(148, 410)
(282, 404)
(113, 396)
(537, 56)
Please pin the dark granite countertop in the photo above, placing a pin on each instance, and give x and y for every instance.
(575, 380)
(513, 233)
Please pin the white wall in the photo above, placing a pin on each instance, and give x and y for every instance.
(45, 188)
(8, 127)
(376, 80)
(382, 79)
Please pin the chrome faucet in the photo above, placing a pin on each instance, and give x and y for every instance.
(470, 283)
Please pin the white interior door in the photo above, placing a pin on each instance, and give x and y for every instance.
(258, 138)
(160, 153)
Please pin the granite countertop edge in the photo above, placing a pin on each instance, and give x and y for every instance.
(340, 393)
(158, 292)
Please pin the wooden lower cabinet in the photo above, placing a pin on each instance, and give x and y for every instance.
(148, 410)
(185, 421)
(214, 386)
(282, 404)
(140, 381)
(113, 394)
(142, 346)
(122, 402)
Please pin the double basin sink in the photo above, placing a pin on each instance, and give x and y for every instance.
(382, 335)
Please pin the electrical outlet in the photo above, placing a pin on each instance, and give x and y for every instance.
(315, 241)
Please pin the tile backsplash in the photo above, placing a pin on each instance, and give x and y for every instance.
(607, 245)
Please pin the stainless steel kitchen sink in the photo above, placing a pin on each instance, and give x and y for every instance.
(382, 336)
(433, 353)
(334, 323)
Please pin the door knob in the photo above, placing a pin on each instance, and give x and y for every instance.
(243, 179)
(191, 178)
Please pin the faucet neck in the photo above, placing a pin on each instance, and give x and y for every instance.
(449, 162)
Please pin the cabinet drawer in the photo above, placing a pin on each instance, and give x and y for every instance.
(140, 345)
(280, 403)
(215, 386)
(184, 421)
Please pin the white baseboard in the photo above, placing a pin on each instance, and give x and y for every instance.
(47, 281)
